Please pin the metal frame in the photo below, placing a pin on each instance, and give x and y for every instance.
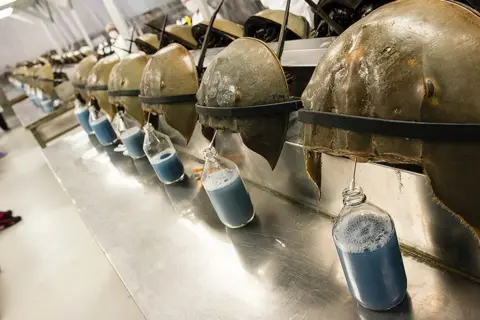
(36, 127)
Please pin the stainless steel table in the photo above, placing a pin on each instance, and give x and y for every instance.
(179, 262)
(45, 126)
(27, 113)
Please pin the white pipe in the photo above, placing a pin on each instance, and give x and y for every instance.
(56, 45)
(95, 16)
(66, 24)
(61, 35)
(80, 26)
(117, 18)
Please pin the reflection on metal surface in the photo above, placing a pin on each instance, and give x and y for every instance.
(27, 113)
(119, 180)
(420, 222)
(44, 126)
(179, 262)
(297, 53)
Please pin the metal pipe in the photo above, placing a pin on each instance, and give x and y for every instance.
(80, 26)
(205, 39)
(283, 31)
(160, 38)
(117, 18)
(56, 45)
(64, 20)
(60, 32)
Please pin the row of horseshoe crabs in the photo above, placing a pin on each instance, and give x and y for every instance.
(395, 87)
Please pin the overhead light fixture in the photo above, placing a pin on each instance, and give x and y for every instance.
(5, 13)
(5, 2)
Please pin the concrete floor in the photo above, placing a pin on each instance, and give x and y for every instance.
(52, 268)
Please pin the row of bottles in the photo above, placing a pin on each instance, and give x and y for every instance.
(364, 235)
(221, 177)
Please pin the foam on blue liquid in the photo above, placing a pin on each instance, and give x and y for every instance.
(363, 232)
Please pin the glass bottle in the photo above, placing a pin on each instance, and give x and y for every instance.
(130, 133)
(100, 125)
(368, 249)
(226, 190)
(162, 156)
(82, 114)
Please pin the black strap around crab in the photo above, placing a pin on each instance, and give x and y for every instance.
(54, 81)
(250, 111)
(95, 87)
(436, 131)
(45, 79)
(145, 46)
(124, 93)
(79, 85)
(168, 99)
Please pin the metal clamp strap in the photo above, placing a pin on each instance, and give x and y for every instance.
(250, 111)
(100, 87)
(124, 93)
(168, 99)
(45, 79)
(397, 128)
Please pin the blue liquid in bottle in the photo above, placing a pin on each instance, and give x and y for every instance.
(104, 131)
(82, 114)
(368, 249)
(167, 166)
(229, 197)
(133, 140)
(47, 105)
(36, 102)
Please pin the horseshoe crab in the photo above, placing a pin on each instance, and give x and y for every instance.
(244, 90)
(80, 76)
(266, 25)
(97, 83)
(124, 84)
(399, 87)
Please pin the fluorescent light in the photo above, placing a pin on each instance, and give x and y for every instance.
(5, 2)
(5, 13)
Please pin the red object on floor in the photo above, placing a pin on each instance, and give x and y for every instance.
(8, 222)
(5, 214)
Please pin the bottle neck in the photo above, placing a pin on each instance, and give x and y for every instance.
(148, 127)
(209, 154)
(353, 196)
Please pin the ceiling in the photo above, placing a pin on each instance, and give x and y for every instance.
(27, 39)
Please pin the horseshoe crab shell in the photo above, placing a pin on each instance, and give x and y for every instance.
(80, 76)
(180, 34)
(20, 73)
(126, 76)
(98, 78)
(297, 27)
(148, 43)
(172, 72)
(247, 73)
(223, 32)
(408, 60)
(44, 78)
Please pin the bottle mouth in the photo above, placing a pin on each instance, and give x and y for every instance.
(353, 196)
(148, 126)
(209, 153)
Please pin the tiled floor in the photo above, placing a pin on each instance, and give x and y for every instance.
(52, 268)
